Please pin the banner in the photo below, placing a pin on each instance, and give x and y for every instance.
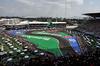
(74, 43)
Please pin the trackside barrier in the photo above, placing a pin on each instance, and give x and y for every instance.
(35, 29)
(80, 45)
(76, 51)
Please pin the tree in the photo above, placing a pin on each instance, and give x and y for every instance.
(69, 22)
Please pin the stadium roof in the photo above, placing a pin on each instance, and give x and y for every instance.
(92, 14)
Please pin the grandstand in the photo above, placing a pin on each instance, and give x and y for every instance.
(17, 24)
(91, 26)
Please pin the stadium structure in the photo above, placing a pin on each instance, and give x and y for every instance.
(50, 43)
(94, 15)
(92, 25)
(18, 24)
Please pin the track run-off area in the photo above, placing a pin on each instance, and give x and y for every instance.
(58, 43)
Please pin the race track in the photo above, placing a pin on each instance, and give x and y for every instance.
(64, 44)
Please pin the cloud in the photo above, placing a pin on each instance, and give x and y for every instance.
(24, 10)
(27, 2)
(92, 9)
(47, 8)
(58, 3)
(4, 9)
(68, 5)
(54, 0)
(91, 3)
(76, 1)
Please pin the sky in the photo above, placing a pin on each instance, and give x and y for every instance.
(48, 8)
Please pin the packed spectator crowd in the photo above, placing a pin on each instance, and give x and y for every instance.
(67, 60)
(90, 26)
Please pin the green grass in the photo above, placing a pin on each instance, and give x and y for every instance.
(50, 44)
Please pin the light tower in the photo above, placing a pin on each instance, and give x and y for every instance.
(65, 8)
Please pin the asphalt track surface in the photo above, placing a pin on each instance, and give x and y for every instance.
(64, 45)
